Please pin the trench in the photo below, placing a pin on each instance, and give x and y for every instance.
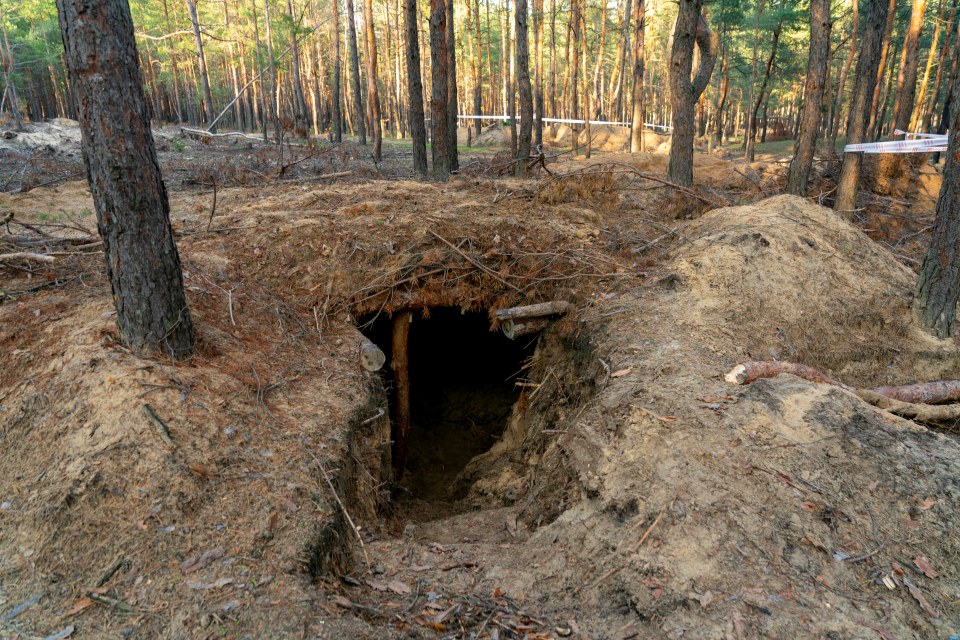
(462, 381)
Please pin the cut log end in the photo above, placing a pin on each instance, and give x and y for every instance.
(737, 375)
(372, 357)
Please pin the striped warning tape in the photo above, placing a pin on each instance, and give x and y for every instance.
(922, 145)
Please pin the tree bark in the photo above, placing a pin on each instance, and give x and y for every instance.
(133, 214)
(418, 131)
(335, 96)
(691, 28)
(355, 72)
(538, 74)
(524, 89)
(909, 62)
(761, 95)
(721, 102)
(201, 63)
(938, 286)
(439, 101)
(373, 96)
(870, 44)
(636, 99)
(812, 97)
(451, 89)
(477, 65)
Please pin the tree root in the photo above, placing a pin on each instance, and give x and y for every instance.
(909, 401)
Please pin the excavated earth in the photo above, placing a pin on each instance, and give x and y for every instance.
(633, 493)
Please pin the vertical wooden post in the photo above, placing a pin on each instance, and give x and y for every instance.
(401, 381)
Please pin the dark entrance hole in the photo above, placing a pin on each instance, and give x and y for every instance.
(462, 391)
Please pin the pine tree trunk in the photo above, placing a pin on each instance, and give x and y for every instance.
(477, 65)
(721, 102)
(538, 74)
(574, 75)
(133, 215)
(812, 97)
(451, 90)
(299, 102)
(336, 93)
(524, 89)
(439, 101)
(864, 88)
(938, 286)
(690, 29)
(909, 62)
(201, 64)
(882, 69)
(927, 119)
(418, 131)
(355, 72)
(274, 109)
(597, 103)
(838, 103)
(636, 100)
(373, 95)
(924, 84)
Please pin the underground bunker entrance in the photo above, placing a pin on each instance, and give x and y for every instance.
(462, 388)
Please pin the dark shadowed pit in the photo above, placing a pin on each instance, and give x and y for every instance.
(463, 386)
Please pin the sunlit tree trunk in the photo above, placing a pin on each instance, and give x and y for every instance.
(857, 122)
(931, 56)
(691, 28)
(875, 104)
(451, 89)
(838, 103)
(909, 62)
(299, 102)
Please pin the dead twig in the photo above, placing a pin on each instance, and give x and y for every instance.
(343, 507)
(162, 428)
(493, 274)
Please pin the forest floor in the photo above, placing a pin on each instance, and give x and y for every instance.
(614, 487)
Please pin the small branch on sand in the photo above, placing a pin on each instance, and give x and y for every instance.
(30, 257)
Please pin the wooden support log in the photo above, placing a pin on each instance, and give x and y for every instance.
(31, 257)
(372, 357)
(752, 371)
(400, 364)
(515, 328)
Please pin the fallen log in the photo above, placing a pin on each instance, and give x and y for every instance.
(514, 329)
(914, 401)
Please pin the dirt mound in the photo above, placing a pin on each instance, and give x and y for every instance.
(631, 492)
(697, 507)
(60, 136)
